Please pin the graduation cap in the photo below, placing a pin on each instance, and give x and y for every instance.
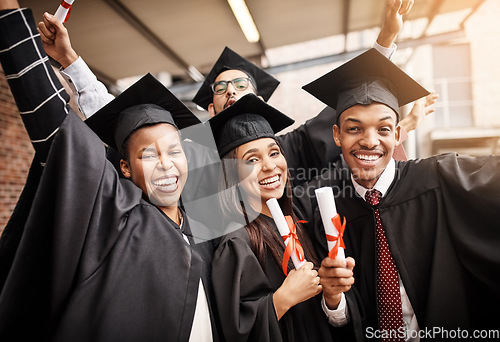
(146, 102)
(247, 119)
(229, 60)
(367, 78)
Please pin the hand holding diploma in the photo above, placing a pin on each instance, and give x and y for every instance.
(56, 42)
(287, 231)
(334, 229)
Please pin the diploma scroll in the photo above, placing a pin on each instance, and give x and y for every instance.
(334, 229)
(287, 230)
(62, 13)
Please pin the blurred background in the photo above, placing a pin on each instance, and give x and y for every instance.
(450, 46)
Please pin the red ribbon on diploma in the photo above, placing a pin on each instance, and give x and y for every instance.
(293, 245)
(340, 226)
(68, 7)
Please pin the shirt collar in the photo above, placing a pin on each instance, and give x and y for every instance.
(383, 183)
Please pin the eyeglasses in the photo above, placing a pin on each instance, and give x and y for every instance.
(239, 84)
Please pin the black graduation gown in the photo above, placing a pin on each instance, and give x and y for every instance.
(92, 260)
(309, 149)
(96, 262)
(441, 217)
(244, 295)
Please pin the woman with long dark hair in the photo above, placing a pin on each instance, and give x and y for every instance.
(255, 299)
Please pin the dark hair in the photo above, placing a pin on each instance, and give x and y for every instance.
(262, 235)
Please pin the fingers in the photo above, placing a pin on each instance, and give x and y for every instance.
(308, 270)
(48, 24)
(395, 5)
(307, 266)
(319, 290)
(328, 262)
(406, 7)
(431, 99)
(334, 289)
(337, 284)
(350, 263)
(45, 34)
(52, 26)
(337, 275)
(429, 111)
(52, 23)
(334, 273)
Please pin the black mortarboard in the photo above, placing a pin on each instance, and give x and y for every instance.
(247, 119)
(229, 60)
(367, 78)
(146, 102)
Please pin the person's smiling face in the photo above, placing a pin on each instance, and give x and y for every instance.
(262, 171)
(157, 163)
(367, 135)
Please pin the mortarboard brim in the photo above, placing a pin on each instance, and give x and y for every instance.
(246, 120)
(145, 102)
(367, 78)
(229, 60)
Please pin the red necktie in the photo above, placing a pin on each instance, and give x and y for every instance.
(390, 313)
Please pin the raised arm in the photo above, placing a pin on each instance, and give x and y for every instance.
(91, 95)
(40, 98)
(395, 9)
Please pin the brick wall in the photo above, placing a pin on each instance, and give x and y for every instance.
(16, 153)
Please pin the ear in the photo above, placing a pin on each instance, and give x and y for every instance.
(397, 135)
(211, 110)
(336, 135)
(125, 168)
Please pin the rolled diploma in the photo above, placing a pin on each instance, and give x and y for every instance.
(328, 210)
(62, 12)
(280, 221)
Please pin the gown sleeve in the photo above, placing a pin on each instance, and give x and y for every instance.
(310, 148)
(471, 188)
(75, 206)
(243, 294)
(40, 97)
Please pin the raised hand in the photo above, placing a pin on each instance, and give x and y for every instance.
(421, 108)
(56, 40)
(393, 24)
